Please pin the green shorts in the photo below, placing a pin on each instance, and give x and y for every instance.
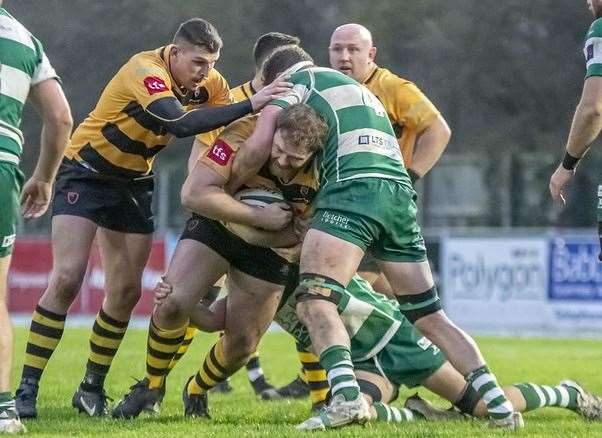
(375, 214)
(11, 181)
(408, 358)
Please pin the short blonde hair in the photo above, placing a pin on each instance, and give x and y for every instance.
(302, 126)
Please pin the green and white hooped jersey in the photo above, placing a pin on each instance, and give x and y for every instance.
(592, 49)
(370, 318)
(23, 63)
(361, 142)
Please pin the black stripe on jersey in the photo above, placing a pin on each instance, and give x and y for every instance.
(121, 141)
(398, 129)
(245, 91)
(136, 112)
(102, 165)
(297, 192)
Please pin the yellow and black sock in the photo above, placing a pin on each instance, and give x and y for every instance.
(184, 346)
(45, 334)
(213, 371)
(107, 334)
(162, 346)
(314, 375)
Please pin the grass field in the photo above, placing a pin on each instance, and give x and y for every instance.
(241, 414)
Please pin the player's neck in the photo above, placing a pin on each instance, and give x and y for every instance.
(369, 71)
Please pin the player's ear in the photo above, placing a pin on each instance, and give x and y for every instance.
(372, 53)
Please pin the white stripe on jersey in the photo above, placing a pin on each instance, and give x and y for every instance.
(14, 83)
(596, 58)
(343, 96)
(10, 133)
(11, 158)
(13, 30)
(369, 140)
(355, 314)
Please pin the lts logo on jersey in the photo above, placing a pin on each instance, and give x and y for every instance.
(154, 84)
(220, 153)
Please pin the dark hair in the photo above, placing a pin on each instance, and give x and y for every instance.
(268, 42)
(200, 33)
(282, 59)
(302, 126)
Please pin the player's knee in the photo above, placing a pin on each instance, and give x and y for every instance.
(314, 288)
(125, 295)
(65, 282)
(417, 306)
(171, 309)
(240, 347)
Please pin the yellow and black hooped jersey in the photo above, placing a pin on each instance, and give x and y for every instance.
(239, 94)
(118, 137)
(299, 192)
(409, 110)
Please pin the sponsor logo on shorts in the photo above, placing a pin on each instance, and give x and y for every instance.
(425, 343)
(72, 197)
(8, 241)
(220, 153)
(192, 224)
(335, 219)
(154, 84)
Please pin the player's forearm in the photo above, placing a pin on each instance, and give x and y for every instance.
(170, 114)
(53, 141)
(254, 156)
(586, 126)
(213, 202)
(430, 146)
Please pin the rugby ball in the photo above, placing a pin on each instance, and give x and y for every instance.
(257, 197)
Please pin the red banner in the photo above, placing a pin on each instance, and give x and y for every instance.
(30, 270)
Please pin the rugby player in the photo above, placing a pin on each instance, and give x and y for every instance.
(25, 71)
(365, 202)
(207, 251)
(387, 352)
(587, 120)
(262, 49)
(422, 134)
(104, 190)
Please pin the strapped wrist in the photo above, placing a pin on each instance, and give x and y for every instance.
(569, 162)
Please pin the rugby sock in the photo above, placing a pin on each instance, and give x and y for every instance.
(45, 334)
(339, 368)
(390, 414)
(539, 396)
(314, 375)
(498, 406)
(254, 370)
(162, 346)
(107, 334)
(184, 346)
(213, 371)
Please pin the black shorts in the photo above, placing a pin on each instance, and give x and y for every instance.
(114, 203)
(256, 261)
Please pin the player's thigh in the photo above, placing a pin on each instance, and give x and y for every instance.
(124, 256)
(4, 265)
(193, 269)
(407, 278)
(72, 238)
(251, 304)
(329, 255)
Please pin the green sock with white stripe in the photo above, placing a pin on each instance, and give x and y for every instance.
(336, 360)
(484, 382)
(390, 414)
(539, 396)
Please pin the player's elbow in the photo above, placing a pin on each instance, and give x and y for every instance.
(189, 196)
(179, 129)
(59, 118)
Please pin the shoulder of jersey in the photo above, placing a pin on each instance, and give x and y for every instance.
(595, 30)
